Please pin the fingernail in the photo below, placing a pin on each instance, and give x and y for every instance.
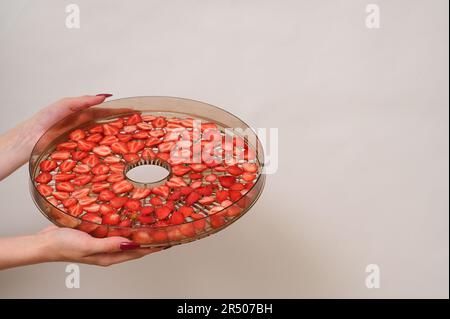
(129, 246)
(104, 94)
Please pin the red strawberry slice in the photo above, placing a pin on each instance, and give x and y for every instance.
(99, 186)
(119, 148)
(119, 123)
(44, 189)
(60, 155)
(199, 222)
(82, 180)
(187, 123)
(77, 135)
(79, 155)
(211, 178)
(122, 187)
(153, 141)
(162, 191)
(163, 156)
(148, 118)
(106, 195)
(208, 126)
(234, 170)
(63, 177)
(111, 219)
(94, 138)
(207, 200)
(93, 221)
(131, 158)
(124, 137)
(117, 168)
(147, 210)
(134, 119)
(180, 170)
(67, 146)
(195, 176)
(144, 126)
(81, 169)
(109, 129)
(140, 193)
(221, 195)
(176, 195)
(85, 201)
(69, 202)
(142, 135)
(116, 177)
(186, 211)
(47, 165)
(176, 182)
(227, 181)
(91, 160)
(156, 201)
(196, 184)
(96, 129)
(43, 178)
(100, 169)
(111, 159)
(198, 167)
(93, 208)
(130, 128)
(106, 209)
(237, 187)
(81, 192)
(157, 133)
(159, 122)
(118, 202)
(192, 198)
(135, 146)
(187, 230)
(250, 167)
(235, 195)
(75, 210)
(162, 212)
(61, 195)
(248, 177)
(205, 190)
(67, 166)
(133, 205)
(102, 150)
(146, 219)
(148, 154)
(109, 140)
(166, 146)
(217, 221)
(100, 178)
(176, 218)
(186, 190)
(65, 187)
(85, 146)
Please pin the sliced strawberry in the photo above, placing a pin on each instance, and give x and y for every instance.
(248, 177)
(109, 129)
(63, 177)
(140, 193)
(217, 221)
(61, 195)
(100, 178)
(144, 126)
(119, 123)
(106, 209)
(85, 201)
(180, 170)
(124, 137)
(60, 155)
(109, 140)
(157, 133)
(79, 155)
(221, 195)
(147, 210)
(106, 195)
(134, 119)
(163, 156)
(111, 219)
(77, 135)
(93, 208)
(237, 187)
(67, 146)
(135, 146)
(195, 176)
(111, 159)
(44, 189)
(148, 118)
(187, 123)
(187, 230)
(67, 166)
(43, 178)
(146, 219)
(176, 218)
(211, 178)
(81, 192)
(94, 138)
(82, 180)
(176, 182)
(227, 181)
(205, 190)
(198, 167)
(130, 128)
(85, 146)
(100, 169)
(192, 198)
(81, 169)
(166, 146)
(102, 150)
(75, 210)
(142, 135)
(162, 191)
(47, 165)
(162, 212)
(186, 190)
(131, 158)
(119, 148)
(91, 160)
(148, 154)
(250, 167)
(118, 202)
(93, 221)
(156, 201)
(152, 141)
(207, 200)
(99, 186)
(234, 170)
(65, 187)
(122, 187)
(176, 195)
(116, 177)
(96, 129)
(199, 222)
(235, 195)
(186, 211)
(196, 184)
(159, 122)
(133, 205)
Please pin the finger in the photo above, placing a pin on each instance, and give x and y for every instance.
(106, 259)
(75, 104)
(105, 245)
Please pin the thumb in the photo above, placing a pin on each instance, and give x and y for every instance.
(106, 245)
(75, 104)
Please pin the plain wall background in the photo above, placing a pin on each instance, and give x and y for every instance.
(363, 125)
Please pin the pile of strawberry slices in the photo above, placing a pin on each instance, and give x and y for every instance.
(85, 175)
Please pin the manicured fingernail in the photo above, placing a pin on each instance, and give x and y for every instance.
(129, 246)
(104, 94)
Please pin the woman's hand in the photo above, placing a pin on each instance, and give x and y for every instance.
(17, 143)
(65, 244)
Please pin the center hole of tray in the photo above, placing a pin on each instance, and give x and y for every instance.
(148, 173)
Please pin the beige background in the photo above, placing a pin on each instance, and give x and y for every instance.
(363, 123)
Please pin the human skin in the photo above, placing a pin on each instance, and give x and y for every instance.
(54, 243)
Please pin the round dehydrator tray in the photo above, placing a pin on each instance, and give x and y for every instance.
(78, 170)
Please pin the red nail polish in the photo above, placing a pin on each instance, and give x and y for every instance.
(104, 94)
(129, 246)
